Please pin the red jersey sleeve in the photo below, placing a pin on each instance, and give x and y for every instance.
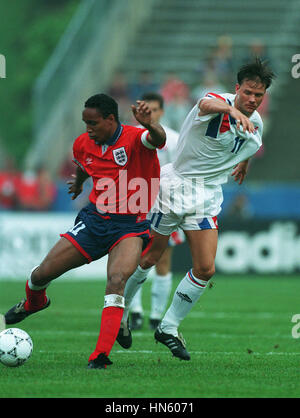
(78, 153)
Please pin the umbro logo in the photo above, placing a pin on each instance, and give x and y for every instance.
(184, 297)
(88, 160)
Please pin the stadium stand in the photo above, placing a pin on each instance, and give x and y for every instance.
(163, 37)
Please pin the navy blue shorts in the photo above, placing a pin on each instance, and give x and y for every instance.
(95, 234)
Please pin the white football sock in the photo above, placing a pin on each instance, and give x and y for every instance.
(114, 300)
(132, 286)
(136, 303)
(160, 292)
(186, 295)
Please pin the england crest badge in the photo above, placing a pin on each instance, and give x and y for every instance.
(120, 156)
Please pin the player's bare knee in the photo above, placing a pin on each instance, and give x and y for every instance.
(41, 275)
(116, 283)
(204, 272)
(150, 259)
(36, 276)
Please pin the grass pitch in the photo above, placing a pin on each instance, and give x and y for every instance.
(239, 337)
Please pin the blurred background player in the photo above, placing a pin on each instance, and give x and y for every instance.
(162, 278)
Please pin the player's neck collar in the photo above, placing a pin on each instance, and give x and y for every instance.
(116, 135)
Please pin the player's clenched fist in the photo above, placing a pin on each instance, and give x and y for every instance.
(74, 187)
(241, 120)
(142, 112)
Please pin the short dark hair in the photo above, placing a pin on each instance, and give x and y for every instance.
(256, 70)
(151, 96)
(105, 105)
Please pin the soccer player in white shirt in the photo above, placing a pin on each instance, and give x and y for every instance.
(162, 278)
(217, 138)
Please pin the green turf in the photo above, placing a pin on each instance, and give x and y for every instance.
(239, 337)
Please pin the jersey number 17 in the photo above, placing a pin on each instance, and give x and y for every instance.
(237, 144)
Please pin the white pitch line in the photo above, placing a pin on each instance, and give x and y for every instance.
(218, 315)
(208, 353)
(236, 315)
(221, 353)
(142, 334)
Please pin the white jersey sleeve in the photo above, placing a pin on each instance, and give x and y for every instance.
(145, 142)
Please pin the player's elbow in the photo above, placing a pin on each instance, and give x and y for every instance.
(161, 139)
(158, 141)
(162, 143)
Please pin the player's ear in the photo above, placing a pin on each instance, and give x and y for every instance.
(237, 87)
(111, 118)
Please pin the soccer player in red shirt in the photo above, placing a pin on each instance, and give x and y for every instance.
(123, 164)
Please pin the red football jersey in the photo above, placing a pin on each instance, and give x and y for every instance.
(125, 172)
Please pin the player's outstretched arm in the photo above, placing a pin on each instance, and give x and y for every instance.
(142, 114)
(76, 183)
(207, 106)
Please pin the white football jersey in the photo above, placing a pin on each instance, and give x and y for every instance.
(210, 146)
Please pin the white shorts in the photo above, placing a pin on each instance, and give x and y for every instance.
(184, 203)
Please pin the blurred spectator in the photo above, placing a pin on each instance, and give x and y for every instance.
(176, 112)
(257, 49)
(36, 191)
(174, 88)
(220, 61)
(120, 91)
(9, 179)
(67, 168)
(210, 84)
(144, 83)
(239, 207)
(176, 94)
(119, 88)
